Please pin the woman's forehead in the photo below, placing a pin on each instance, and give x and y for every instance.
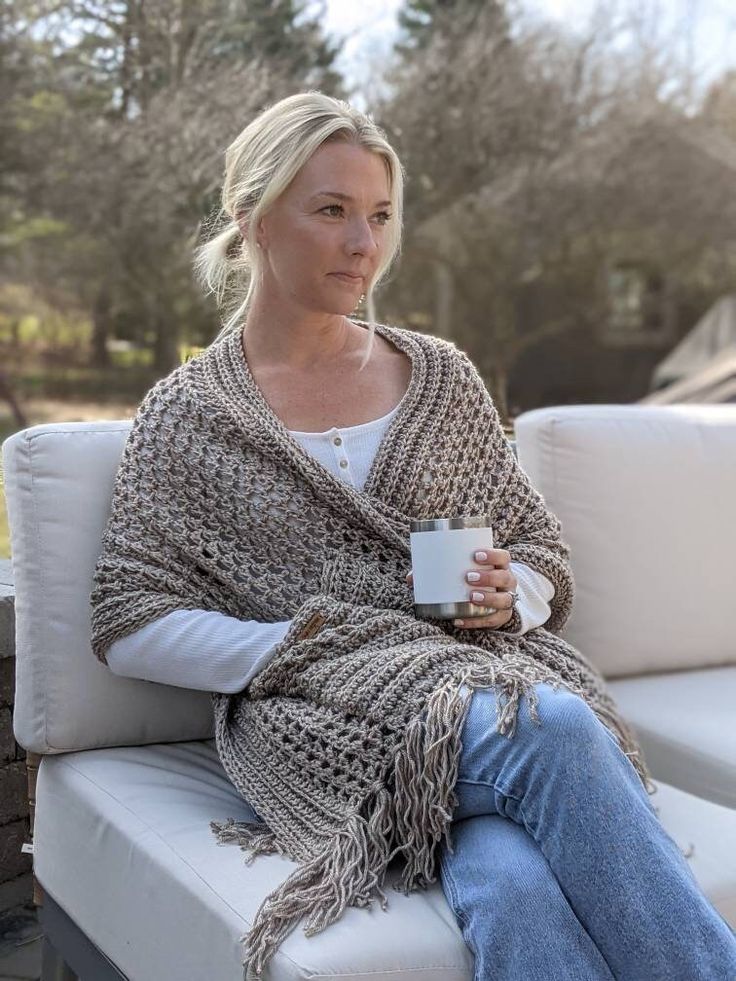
(344, 168)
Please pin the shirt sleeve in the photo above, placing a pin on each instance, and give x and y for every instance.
(201, 649)
(535, 591)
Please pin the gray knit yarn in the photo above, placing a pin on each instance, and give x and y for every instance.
(217, 507)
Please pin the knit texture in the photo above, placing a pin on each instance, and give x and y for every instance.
(347, 743)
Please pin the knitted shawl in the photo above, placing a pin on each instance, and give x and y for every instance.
(347, 742)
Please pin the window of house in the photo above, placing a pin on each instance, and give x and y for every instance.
(638, 306)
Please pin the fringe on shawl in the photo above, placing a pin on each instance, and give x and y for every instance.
(415, 817)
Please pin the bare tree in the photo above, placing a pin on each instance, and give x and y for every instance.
(534, 158)
(141, 98)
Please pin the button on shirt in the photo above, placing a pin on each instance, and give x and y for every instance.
(347, 451)
(208, 650)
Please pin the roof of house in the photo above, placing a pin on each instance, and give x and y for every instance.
(713, 334)
(714, 382)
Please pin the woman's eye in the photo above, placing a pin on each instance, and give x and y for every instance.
(382, 216)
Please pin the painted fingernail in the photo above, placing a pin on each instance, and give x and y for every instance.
(477, 597)
(481, 556)
(473, 576)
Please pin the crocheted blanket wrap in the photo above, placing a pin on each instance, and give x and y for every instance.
(347, 743)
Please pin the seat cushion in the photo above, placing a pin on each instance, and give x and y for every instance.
(686, 721)
(122, 842)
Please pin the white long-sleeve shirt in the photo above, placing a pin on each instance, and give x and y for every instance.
(211, 651)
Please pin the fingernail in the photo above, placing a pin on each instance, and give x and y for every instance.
(473, 576)
(458, 623)
(477, 597)
(481, 556)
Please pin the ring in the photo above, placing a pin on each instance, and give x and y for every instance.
(514, 599)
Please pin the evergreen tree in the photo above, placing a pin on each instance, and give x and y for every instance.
(420, 20)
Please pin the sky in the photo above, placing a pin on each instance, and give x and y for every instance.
(706, 30)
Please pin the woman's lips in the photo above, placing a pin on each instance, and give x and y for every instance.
(348, 279)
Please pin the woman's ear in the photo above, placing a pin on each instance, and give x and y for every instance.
(244, 224)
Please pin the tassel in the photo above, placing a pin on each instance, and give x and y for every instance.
(352, 864)
(411, 814)
(256, 838)
(424, 774)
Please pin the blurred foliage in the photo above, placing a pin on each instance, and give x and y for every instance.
(114, 118)
(537, 158)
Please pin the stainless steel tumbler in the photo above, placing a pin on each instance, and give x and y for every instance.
(441, 553)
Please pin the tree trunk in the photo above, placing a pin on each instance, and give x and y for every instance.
(6, 395)
(165, 344)
(15, 335)
(101, 324)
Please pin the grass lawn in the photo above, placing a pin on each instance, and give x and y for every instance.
(54, 410)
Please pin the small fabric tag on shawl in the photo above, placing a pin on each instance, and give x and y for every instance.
(310, 628)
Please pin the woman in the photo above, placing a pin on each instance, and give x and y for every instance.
(262, 509)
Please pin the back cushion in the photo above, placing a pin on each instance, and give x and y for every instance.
(58, 485)
(647, 499)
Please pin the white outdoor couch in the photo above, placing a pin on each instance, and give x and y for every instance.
(124, 775)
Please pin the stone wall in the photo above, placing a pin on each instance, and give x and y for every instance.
(16, 883)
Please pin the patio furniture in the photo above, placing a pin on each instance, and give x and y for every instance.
(646, 498)
(123, 774)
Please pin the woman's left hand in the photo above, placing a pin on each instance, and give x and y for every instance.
(496, 583)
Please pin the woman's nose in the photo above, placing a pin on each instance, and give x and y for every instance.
(361, 238)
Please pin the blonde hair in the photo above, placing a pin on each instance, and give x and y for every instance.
(260, 164)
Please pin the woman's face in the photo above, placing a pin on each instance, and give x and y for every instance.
(332, 219)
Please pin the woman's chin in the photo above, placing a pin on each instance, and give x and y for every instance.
(339, 307)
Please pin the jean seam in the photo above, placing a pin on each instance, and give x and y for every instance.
(460, 917)
(453, 894)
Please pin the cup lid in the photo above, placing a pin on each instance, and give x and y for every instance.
(438, 524)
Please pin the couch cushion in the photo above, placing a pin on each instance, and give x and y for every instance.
(686, 721)
(646, 498)
(122, 842)
(58, 486)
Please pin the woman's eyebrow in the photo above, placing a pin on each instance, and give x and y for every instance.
(345, 197)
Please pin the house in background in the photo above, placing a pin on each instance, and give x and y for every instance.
(714, 382)
(612, 359)
(702, 367)
(649, 305)
(596, 324)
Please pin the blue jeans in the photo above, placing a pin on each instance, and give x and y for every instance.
(561, 869)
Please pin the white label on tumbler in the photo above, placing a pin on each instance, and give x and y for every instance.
(440, 559)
